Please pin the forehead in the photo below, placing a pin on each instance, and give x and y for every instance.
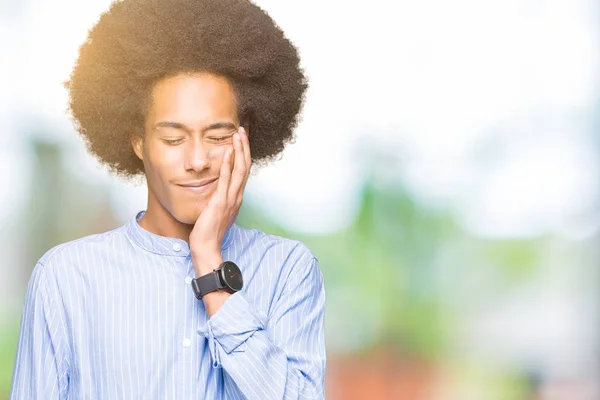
(193, 99)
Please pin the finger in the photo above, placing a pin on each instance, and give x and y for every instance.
(247, 154)
(246, 146)
(239, 170)
(224, 175)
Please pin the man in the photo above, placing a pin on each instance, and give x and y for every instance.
(180, 302)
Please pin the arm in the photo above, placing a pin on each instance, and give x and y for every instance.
(40, 371)
(282, 358)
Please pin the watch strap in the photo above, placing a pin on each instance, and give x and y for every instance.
(206, 284)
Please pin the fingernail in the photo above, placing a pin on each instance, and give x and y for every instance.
(236, 136)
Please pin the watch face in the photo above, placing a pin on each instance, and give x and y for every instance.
(232, 276)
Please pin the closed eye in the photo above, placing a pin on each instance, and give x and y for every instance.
(172, 142)
(219, 138)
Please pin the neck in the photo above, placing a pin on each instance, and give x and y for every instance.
(161, 222)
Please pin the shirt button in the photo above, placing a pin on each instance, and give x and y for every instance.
(187, 342)
(177, 247)
(188, 280)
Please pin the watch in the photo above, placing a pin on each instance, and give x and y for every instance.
(227, 276)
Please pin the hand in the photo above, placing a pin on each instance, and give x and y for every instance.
(222, 209)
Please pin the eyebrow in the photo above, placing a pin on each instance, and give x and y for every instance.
(178, 125)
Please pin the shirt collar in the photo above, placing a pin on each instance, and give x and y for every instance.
(166, 246)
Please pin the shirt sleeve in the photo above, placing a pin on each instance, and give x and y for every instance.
(40, 371)
(282, 358)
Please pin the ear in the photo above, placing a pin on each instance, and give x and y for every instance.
(137, 142)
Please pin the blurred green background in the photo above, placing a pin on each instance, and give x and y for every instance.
(446, 175)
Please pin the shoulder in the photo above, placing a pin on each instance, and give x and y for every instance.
(286, 247)
(76, 251)
(290, 256)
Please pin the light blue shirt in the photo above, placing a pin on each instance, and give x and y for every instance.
(113, 316)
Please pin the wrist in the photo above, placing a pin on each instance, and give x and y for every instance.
(214, 301)
(205, 264)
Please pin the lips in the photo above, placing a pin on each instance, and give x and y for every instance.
(198, 186)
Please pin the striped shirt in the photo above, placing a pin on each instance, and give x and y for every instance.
(113, 316)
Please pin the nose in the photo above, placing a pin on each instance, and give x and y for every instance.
(196, 156)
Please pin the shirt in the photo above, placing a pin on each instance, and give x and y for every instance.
(113, 316)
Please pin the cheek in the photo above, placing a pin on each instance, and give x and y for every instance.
(164, 160)
(160, 168)
(169, 158)
(216, 155)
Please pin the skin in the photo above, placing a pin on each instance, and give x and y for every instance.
(192, 134)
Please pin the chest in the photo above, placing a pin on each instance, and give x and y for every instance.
(137, 333)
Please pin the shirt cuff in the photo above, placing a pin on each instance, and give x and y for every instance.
(231, 326)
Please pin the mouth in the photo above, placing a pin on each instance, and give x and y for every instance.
(198, 186)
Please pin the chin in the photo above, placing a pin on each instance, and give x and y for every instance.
(188, 216)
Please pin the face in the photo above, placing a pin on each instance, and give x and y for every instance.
(190, 124)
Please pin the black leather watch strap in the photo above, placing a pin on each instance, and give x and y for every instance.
(206, 284)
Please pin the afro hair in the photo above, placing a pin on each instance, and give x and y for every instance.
(136, 43)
